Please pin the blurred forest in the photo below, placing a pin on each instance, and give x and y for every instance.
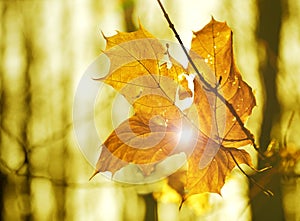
(46, 46)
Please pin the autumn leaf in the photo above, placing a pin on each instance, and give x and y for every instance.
(214, 44)
(140, 140)
(209, 131)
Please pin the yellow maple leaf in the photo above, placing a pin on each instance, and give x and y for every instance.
(208, 131)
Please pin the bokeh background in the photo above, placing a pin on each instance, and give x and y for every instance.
(45, 47)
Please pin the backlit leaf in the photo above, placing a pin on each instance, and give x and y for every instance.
(207, 131)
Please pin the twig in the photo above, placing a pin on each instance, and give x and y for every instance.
(265, 191)
(287, 128)
(206, 84)
(57, 182)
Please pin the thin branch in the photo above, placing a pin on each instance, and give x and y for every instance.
(10, 134)
(206, 84)
(58, 182)
(265, 191)
(287, 128)
(56, 136)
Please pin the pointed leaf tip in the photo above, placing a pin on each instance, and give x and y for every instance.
(93, 175)
(140, 24)
(103, 35)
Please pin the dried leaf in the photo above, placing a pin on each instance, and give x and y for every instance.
(214, 44)
(207, 131)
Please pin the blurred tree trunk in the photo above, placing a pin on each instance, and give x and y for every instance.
(151, 208)
(63, 121)
(2, 175)
(2, 186)
(25, 124)
(268, 34)
(128, 10)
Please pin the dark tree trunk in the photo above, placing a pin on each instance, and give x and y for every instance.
(268, 33)
(2, 176)
(151, 208)
(128, 9)
(2, 186)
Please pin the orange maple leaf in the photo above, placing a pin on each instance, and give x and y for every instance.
(208, 131)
